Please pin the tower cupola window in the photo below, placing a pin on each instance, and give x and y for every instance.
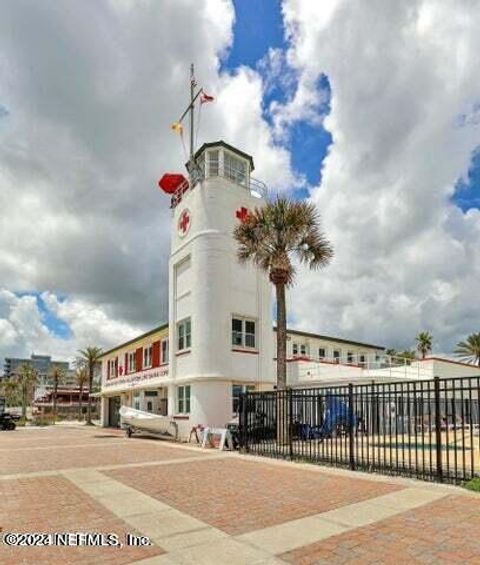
(235, 169)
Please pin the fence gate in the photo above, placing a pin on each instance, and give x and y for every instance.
(423, 429)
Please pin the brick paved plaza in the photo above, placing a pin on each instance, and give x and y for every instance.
(207, 507)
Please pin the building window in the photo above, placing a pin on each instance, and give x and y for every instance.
(336, 356)
(243, 333)
(164, 360)
(295, 348)
(213, 163)
(362, 359)
(136, 400)
(349, 357)
(321, 353)
(147, 357)
(149, 406)
(184, 333)
(303, 349)
(234, 168)
(132, 364)
(236, 391)
(183, 399)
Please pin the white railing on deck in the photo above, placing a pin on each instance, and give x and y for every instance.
(372, 367)
(256, 187)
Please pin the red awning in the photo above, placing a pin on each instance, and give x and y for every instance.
(170, 182)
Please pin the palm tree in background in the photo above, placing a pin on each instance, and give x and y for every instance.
(58, 376)
(424, 343)
(10, 390)
(25, 380)
(469, 350)
(272, 237)
(91, 358)
(81, 375)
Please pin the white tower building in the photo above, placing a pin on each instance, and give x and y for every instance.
(220, 320)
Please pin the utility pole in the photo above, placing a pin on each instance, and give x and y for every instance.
(192, 100)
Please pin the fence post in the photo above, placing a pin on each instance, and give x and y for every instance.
(290, 421)
(438, 432)
(243, 420)
(350, 427)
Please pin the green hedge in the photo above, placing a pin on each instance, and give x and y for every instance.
(474, 484)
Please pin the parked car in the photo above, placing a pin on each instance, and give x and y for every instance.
(7, 421)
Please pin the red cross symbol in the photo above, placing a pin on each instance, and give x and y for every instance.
(242, 214)
(184, 222)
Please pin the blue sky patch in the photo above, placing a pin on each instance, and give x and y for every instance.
(54, 324)
(258, 26)
(259, 42)
(467, 192)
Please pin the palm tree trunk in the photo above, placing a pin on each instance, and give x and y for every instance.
(80, 402)
(55, 389)
(281, 337)
(24, 402)
(283, 431)
(89, 401)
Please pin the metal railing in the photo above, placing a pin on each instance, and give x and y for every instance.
(423, 429)
(216, 169)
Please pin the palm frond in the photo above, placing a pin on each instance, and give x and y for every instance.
(282, 231)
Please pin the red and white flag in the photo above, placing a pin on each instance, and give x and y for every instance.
(206, 98)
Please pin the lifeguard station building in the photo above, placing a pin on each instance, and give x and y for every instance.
(219, 339)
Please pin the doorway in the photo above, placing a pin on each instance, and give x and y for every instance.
(113, 411)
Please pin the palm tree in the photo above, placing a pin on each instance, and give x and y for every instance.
(10, 390)
(271, 237)
(91, 357)
(469, 350)
(81, 375)
(57, 376)
(406, 357)
(26, 379)
(424, 343)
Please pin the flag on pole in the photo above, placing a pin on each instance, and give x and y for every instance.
(204, 98)
(177, 127)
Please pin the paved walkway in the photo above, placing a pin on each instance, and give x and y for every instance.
(207, 507)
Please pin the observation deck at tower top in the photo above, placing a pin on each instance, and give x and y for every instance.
(219, 159)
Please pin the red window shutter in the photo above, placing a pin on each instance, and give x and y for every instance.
(125, 368)
(139, 364)
(116, 366)
(156, 354)
(108, 369)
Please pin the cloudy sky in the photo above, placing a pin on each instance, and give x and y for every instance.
(371, 109)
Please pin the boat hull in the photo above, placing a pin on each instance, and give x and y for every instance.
(146, 421)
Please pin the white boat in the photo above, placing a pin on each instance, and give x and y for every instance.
(137, 420)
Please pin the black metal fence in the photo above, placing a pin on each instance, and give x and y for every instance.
(424, 429)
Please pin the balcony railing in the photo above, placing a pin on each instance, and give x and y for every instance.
(257, 188)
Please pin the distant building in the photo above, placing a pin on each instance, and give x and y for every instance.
(67, 403)
(44, 366)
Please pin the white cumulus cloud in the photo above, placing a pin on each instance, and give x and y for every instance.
(407, 258)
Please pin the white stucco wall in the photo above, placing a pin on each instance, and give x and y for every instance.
(215, 287)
